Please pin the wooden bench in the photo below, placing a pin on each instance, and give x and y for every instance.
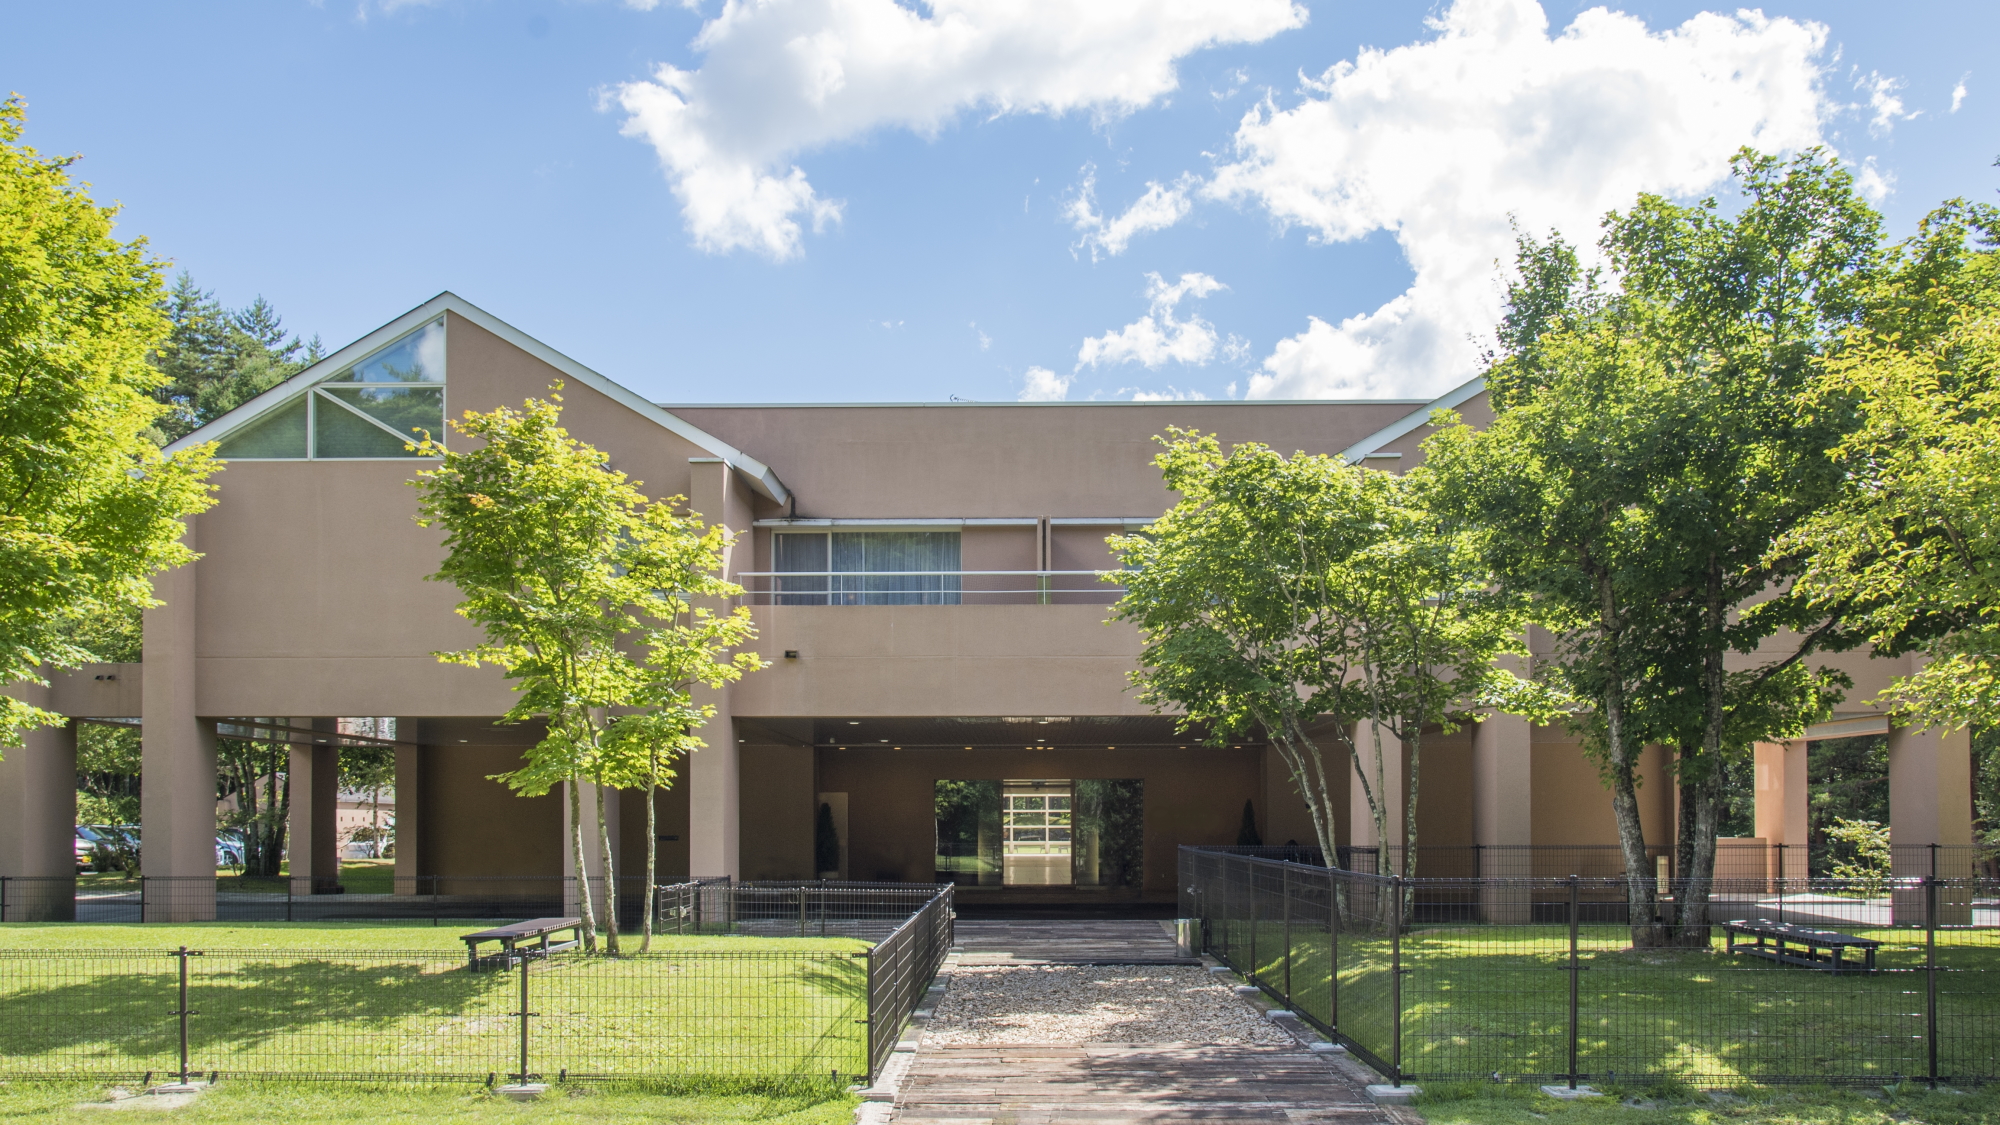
(513, 940)
(1783, 936)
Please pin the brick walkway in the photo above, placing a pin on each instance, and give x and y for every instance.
(1116, 1083)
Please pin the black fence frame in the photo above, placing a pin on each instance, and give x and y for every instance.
(910, 927)
(1239, 897)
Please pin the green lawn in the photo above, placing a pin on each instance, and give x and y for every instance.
(315, 1103)
(397, 999)
(1479, 999)
(1673, 1104)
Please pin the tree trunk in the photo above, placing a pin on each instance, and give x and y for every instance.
(1698, 875)
(652, 848)
(585, 907)
(1624, 786)
(610, 875)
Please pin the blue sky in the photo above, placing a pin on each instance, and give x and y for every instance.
(845, 200)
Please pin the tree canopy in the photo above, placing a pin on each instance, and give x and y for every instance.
(590, 598)
(89, 509)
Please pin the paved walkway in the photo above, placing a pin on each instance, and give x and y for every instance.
(1090, 1083)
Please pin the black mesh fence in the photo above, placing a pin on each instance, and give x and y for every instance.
(795, 1012)
(1604, 861)
(1556, 980)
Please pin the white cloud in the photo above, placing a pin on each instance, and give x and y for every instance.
(1157, 337)
(784, 77)
(1886, 104)
(1958, 94)
(1043, 385)
(1872, 182)
(1441, 141)
(1158, 209)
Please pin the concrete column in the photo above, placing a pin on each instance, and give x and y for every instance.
(1930, 802)
(312, 843)
(713, 773)
(1782, 802)
(593, 859)
(1503, 810)
(38, 819)
(177, 759)
(1387, 789)
(408, 795)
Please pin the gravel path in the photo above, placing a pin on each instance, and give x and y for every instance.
(1070, 1004)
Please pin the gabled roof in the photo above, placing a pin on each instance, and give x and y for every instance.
(1413, 420)
(759, 474)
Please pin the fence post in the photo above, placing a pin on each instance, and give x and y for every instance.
(1573, 970)
(1396, 982)
(868, 959)
(523, 962)
(183, 1011)
(1256, 915)
(1333, 951)
(142, 900)
(802, 910)
(1931, 971)
(1285, 897)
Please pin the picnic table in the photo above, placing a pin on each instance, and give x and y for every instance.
(514, 940)
(1782, 937)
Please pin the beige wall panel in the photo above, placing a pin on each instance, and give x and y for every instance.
(1192, 797)
(670, 823)
(98, 691)
(485, 371)
(470, 825)
(998, 460)
(777, 818)
(940, 660)
(307, 561)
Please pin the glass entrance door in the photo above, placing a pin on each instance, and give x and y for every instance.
(1035, 832)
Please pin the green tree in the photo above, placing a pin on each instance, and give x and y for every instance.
(1914, 540)
(1307, 598)
(89, 509)
(215, 359)
(1649, 450)
(572, 572)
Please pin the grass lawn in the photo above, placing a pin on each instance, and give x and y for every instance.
(310, 1104)
(1479, 999)
(1672, 1104)
(392, 999)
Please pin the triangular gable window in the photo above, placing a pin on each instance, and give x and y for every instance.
(371, 409)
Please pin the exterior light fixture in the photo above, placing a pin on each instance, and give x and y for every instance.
(791, 654)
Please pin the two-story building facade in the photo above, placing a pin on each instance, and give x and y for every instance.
(925, 584)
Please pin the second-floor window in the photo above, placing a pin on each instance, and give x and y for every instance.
(866, 567)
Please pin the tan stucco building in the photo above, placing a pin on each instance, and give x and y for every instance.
(993, 665)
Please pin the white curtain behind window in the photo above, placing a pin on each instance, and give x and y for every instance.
(858, 561)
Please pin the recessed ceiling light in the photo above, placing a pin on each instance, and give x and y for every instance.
(465, 740)
(881, 740)
(854, 722)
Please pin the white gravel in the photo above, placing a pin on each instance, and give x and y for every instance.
(1066, 1004)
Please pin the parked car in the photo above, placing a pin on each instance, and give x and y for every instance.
(113, 847)
(228, 849)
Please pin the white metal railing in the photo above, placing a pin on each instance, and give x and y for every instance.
(928, 587)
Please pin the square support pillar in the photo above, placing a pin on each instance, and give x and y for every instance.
(38, 819)
(409, 762)
(713, 773)
(313, 830)
(177, 759)
(1782, 801)
(1930, 802)
(1502, 811)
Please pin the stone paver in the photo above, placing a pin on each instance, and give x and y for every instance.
(1062, 981)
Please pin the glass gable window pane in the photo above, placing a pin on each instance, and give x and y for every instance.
(278, 435)
(414, 411)
(339, 432)
(416, 358)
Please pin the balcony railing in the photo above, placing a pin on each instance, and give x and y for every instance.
(928, 587)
